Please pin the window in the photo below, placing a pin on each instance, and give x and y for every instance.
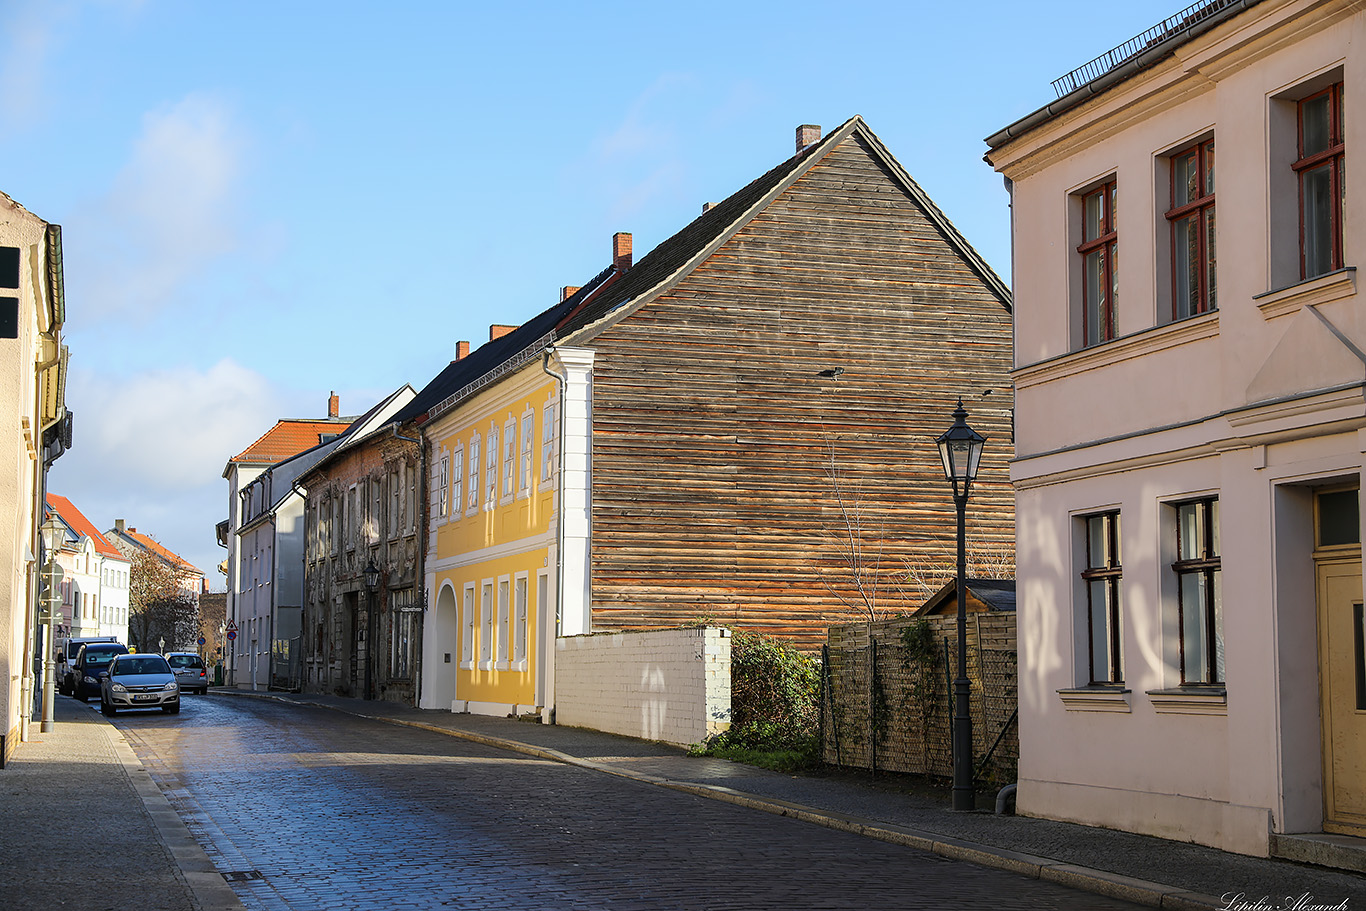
(1101, 577)
(474, 472)
(509, 456)
(351, 518)
(458, 479)
(524, 473)
(376, 511)
(395, 501)
(491, 470)
(547, 439)
(402, 611)
(1200, 615)
(486, 626)
(1099, 250)
(1192, 224)
(467, 637)
(519, 621)
(1322, 180)
(503, 624)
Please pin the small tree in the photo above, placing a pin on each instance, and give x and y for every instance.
(157, 607)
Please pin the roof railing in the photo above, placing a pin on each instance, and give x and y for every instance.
(1167, 28)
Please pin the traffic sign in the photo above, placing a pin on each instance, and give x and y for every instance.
(232, 634)
(202, 640)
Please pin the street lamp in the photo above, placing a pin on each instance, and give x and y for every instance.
(960, 447)
(371, 584)
(53, 535)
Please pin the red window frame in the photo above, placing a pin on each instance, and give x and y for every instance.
(1202, 207)
(1106, 238)
(1334, 154)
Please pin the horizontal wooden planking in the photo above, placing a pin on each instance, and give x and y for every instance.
(712, 431)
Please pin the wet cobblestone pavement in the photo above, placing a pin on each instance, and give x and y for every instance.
(303, 808)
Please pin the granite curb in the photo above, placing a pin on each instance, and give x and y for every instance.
(1101, 882)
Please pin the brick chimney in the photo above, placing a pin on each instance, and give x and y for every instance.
(569, 291)
(333, 405)
(807, 134)
(496, 331)
(462, 350)
(118, 525)
(621, 251)
(707, 207)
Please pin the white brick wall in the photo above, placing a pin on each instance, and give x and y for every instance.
(669, 685)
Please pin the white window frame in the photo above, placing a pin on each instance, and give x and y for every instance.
(491, 469)
(548, 440)
(470, 619)
(474, 479)
(528, 445)
(504, 621)
(509, 460)
(521, 584)
(458, 479)
(486, 627)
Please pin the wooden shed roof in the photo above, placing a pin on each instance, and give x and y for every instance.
(984, 595)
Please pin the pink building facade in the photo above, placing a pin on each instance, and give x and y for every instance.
(1190, 369)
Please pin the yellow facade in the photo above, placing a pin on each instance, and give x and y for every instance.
(491, 560)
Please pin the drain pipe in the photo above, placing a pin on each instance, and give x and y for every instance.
(1006, 796)
(549, 682)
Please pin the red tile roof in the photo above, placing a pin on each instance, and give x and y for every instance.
(289, 437)
(82, 526)
(147, 543)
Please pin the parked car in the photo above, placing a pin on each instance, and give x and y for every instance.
(92, 661)
(66, 659)
(190, 672)
(141, 681)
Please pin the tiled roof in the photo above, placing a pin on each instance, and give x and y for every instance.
(289, 437)
(78, 523)
(147, 543)
(611, 290)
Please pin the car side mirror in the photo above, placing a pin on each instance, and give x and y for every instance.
(103, 674)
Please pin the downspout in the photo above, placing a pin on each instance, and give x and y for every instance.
(563, 382)
(420, 503)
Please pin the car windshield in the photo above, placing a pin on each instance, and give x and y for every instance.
(100, 657)
(185, 661)
(151, 664)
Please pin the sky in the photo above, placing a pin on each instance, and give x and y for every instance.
(265, 202)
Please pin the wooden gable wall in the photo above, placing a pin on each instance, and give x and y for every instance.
(715, 439)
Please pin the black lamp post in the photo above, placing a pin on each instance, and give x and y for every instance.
(371, 584)
(961, 449)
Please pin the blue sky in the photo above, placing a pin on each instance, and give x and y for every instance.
(263, 202)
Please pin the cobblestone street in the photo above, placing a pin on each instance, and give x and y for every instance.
(303, 808)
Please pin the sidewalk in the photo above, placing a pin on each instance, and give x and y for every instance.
(1151, 871)
(82, 825)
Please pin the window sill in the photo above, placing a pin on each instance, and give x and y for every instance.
(1096, 699)
(1128, 347)
(501, 666)
(1190, 700)
(467, 665)
(1311, 292)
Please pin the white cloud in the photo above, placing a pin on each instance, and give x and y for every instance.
(170, 430)
(170, 212)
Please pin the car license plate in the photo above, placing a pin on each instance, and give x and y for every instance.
(148, 698)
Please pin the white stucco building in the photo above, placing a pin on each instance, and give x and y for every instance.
(37, 430)
(1191, 430)
(94, 586)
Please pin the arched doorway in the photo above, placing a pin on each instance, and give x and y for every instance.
(441, 651)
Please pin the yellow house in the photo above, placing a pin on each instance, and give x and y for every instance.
(490, 423)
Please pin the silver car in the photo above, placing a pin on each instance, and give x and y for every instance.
(139, 681)
(190, 672)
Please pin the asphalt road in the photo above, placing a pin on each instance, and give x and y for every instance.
(305, 808)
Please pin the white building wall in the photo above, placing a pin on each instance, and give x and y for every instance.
(114, 577)
(667, 685)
